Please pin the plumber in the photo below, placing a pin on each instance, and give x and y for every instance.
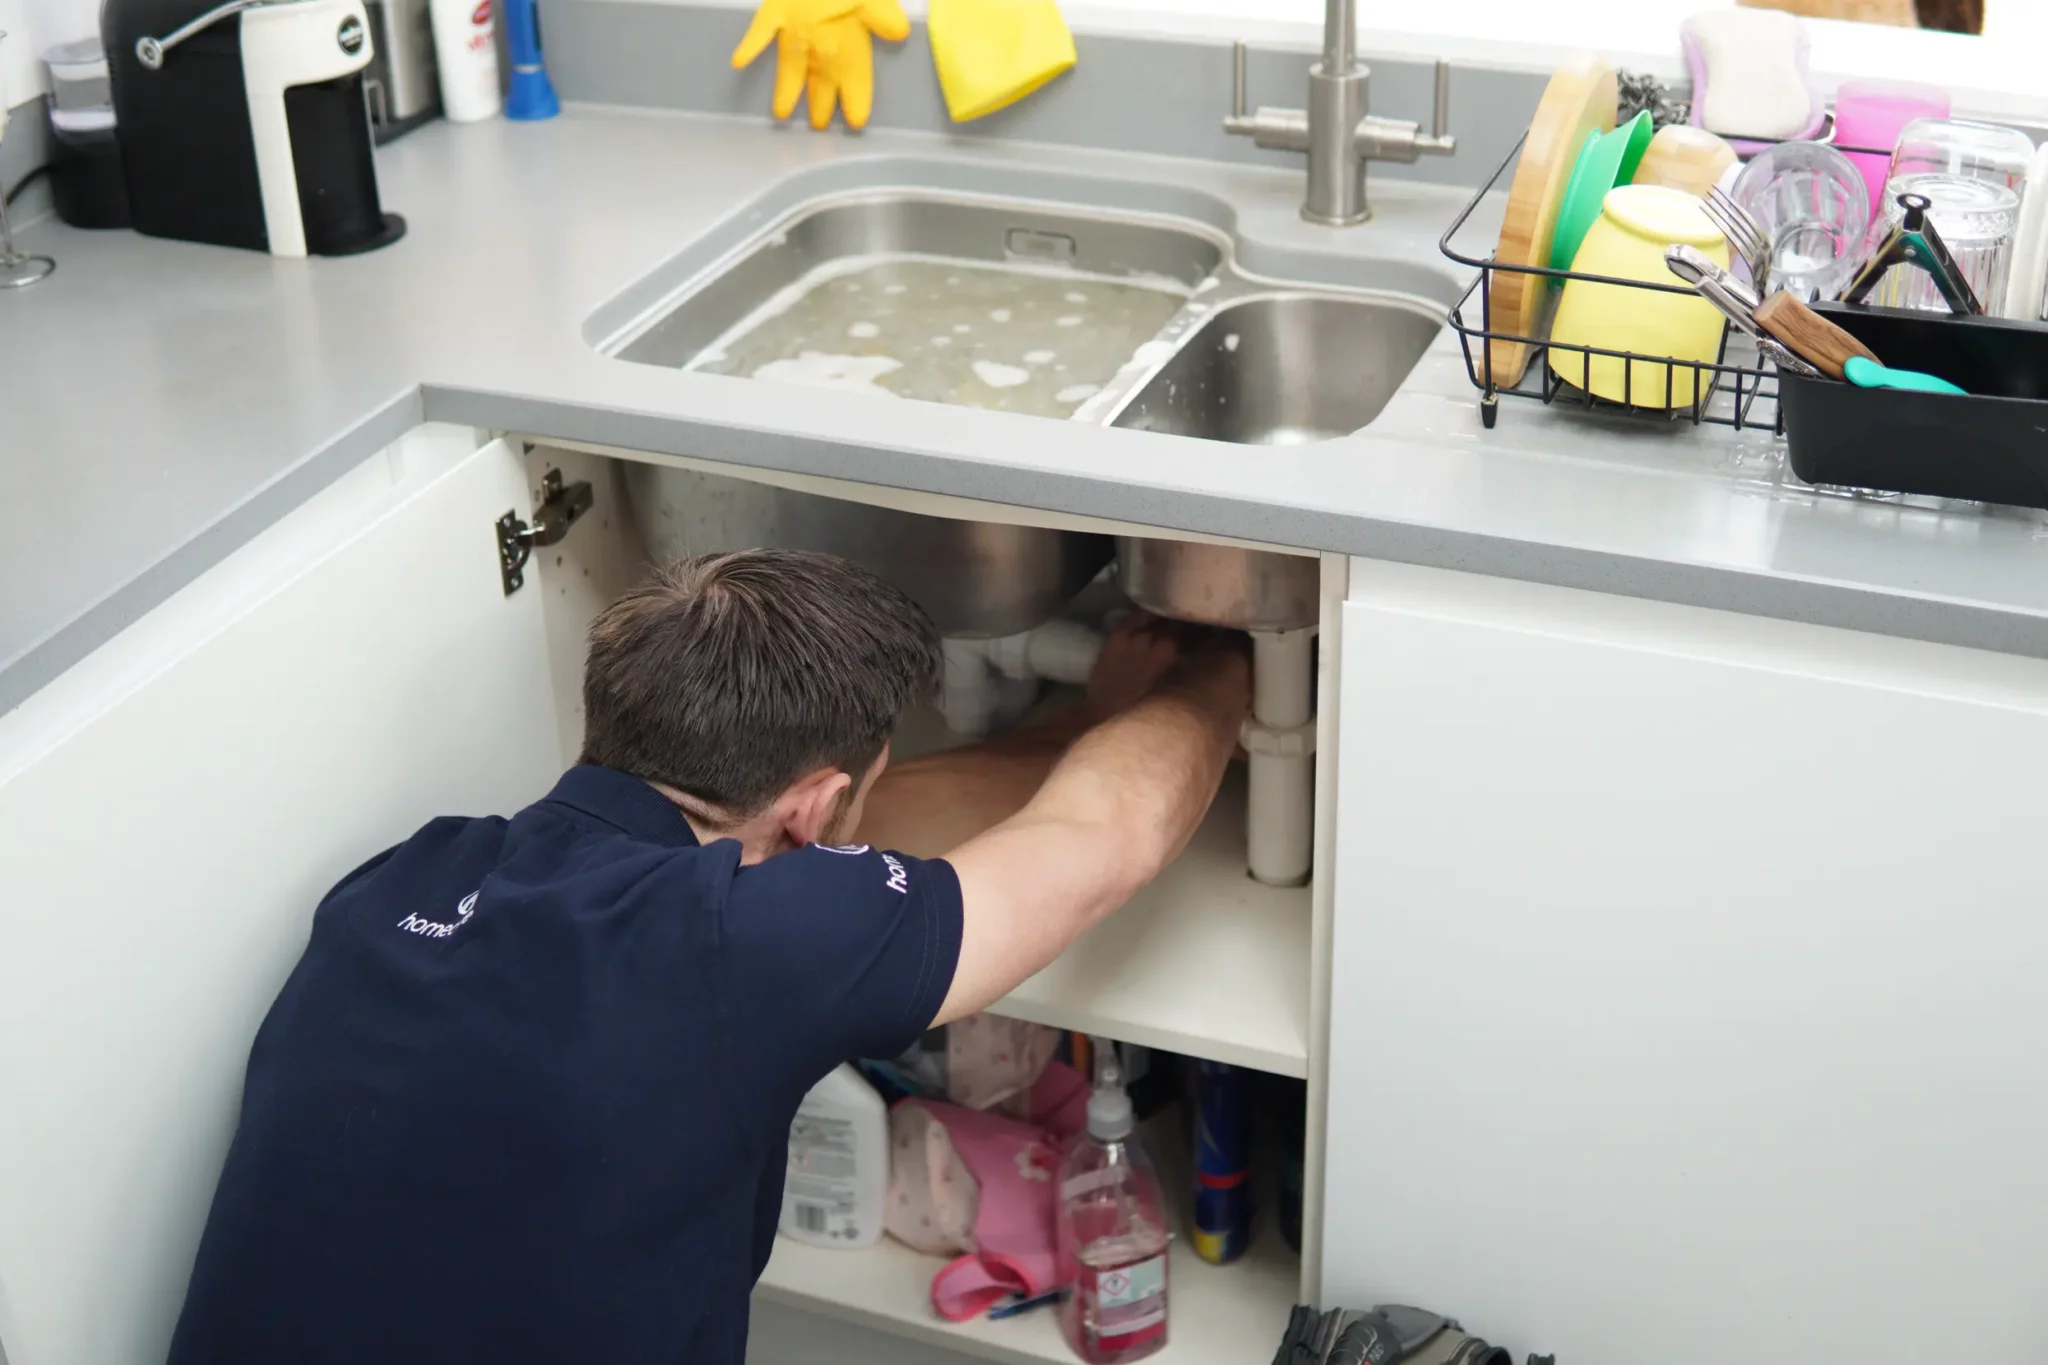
(527, 1094)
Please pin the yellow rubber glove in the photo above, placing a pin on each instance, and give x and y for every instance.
(824, 46)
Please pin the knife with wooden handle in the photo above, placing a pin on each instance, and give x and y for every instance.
(1736, 300)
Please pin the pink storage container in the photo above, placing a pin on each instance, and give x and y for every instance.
(1871, 113)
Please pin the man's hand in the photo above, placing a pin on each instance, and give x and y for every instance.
(1135, 657)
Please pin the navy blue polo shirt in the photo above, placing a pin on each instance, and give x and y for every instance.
(527, 1095)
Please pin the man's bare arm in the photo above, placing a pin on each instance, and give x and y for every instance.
(1116, 808)
(934, 804)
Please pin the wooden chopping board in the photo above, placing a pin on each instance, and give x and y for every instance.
(1580, 98)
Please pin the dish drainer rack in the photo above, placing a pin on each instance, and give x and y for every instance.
(1738, 388)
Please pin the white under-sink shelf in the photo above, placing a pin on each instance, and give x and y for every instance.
(1205, 961)
(1229, 1315)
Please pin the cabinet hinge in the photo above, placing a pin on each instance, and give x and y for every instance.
(560, 506)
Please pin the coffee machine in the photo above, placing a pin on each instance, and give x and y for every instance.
(244, 124)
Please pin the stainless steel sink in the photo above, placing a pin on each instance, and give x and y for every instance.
(911, 224)
(1277, 369)
(1233, 358)
(1285, 369)
(975, 579)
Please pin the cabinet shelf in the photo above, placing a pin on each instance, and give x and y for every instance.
(1232, 1315)
(1205, 961)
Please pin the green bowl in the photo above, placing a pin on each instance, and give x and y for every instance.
(1605, 160)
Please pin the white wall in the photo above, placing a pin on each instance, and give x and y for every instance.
(31, 26)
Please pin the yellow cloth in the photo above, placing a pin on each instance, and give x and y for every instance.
(992, 53)
(823, 46)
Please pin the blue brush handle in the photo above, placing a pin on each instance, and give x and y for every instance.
(532, 94)
(1868, 374)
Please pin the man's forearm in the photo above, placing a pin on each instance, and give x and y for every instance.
(1152, 771)
(933, 804)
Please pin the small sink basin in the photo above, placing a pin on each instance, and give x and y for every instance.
(1285, 369)
(1276, 369)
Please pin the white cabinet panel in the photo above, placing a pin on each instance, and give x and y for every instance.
(1687, 980)
(170, 813)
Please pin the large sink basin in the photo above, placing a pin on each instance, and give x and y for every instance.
(1285, 369)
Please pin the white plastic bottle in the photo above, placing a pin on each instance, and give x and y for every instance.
(838, 1177)
(466, 52)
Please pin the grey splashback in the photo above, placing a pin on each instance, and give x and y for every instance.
(1165, 96)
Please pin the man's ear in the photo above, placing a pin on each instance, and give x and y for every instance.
(810, 804)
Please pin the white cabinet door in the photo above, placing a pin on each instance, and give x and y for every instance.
(1688, 995)
(170, 812)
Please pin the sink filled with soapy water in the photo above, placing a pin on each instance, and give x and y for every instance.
(1013, 339)
(1011, 306)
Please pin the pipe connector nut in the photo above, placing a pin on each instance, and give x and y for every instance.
(1278, 741)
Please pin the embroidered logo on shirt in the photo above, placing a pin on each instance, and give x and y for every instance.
(426, 928)
(850, 850)
(899, 875)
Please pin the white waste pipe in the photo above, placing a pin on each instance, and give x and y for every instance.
(1281, 740)
(987, 681)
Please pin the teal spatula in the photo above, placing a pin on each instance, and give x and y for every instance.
(1868, 374)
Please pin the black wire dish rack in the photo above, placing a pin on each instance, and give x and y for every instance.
(1738, 388)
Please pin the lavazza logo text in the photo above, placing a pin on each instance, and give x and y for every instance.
(426, 928)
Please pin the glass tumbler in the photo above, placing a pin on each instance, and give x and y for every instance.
(1813, 207)
(1976, 219)
(17, 268)
(1960, 147)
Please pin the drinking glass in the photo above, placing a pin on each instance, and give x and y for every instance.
(16, 269)
(1960, 147)
(1813, 207)
(1976, 219)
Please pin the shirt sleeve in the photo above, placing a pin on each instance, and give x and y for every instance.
(838, 953)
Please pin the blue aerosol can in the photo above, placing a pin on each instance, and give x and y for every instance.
(1223, 1158)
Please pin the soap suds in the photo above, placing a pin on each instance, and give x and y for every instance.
(942, 341)
(1039, 357)
(1000, 376)
(1076, 296)
(1069, 320)
(1230, 341)
(999, 315)
(819, 370)
(962, 328)
(864, 330)
(894, 288)
(1206, 285)
(1075, 393)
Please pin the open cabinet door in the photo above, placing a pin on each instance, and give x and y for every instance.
(172, 810)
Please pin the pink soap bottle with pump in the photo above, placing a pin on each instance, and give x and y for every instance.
(1112, 1233)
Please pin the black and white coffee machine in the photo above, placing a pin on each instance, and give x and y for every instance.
(244, 123)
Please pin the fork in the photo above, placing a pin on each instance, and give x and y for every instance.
(1744, 234)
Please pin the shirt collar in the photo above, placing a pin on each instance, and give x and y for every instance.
(624, 802)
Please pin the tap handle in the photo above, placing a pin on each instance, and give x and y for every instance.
(1237, 81)
(1439, 142)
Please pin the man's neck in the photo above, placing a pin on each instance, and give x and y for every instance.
(758, 839)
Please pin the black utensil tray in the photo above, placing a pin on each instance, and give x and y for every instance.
(1989, 447)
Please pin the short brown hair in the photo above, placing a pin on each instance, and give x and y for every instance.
(728, 677)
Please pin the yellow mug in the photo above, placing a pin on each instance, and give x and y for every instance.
(1636, 224)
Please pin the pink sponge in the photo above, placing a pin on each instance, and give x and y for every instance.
(1751, 78)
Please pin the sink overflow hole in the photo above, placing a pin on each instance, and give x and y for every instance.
(1032, 245)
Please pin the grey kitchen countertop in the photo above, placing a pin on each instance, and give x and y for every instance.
(161, 403)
